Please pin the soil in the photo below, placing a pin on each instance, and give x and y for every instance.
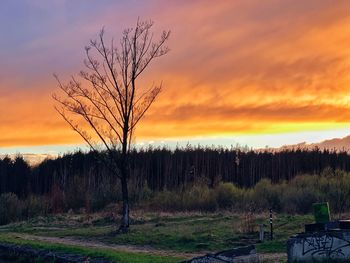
(97, 244)
(270, 257)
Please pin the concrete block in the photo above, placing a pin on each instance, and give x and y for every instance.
(322, 246)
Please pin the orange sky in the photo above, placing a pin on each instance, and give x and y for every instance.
(235, 68)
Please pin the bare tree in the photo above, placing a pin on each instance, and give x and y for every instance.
(106, 99)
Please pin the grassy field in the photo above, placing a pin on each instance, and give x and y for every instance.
(180, 233)
(114, 256)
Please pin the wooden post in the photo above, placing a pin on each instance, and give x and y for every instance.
(271, 226)
(261, 232)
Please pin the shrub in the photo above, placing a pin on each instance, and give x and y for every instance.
(57, 199)
(228, 195)
(338, 191)
(104, 195)
(166, 201)
(301, 193)
(75, 196)
(196, 198)
(139, 193)
(10, 208)
(199, 198)
(36, 205)
(298, 200)
(248, 223)
(266, 195)
(247, 203)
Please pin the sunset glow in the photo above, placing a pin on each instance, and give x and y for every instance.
(236, 68)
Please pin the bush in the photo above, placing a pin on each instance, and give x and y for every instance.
(36, 205)
(196, 198)
(298, 200)
(302, 192)
(228, 195)
(57, 199)
(139, 193)
(76, 195)
(105, 195)
(338, 191)
(166, 201)
(199, 198)
(266, 195)
(10, 208)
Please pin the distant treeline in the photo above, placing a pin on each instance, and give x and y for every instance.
(164, 169)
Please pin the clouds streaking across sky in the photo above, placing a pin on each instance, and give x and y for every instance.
(250, 72)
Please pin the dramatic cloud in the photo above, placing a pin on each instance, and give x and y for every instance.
(235, 67)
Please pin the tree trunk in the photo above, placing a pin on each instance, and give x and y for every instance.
(124, 226)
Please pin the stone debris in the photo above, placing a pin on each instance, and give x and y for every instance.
(245, 254)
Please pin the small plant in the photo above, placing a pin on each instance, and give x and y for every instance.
(248, 224)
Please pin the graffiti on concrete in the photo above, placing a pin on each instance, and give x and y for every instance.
(325, 245)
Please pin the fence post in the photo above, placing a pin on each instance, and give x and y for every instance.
(271, 226)
(261, 233)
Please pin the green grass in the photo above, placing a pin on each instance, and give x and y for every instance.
(274, 246)
(114, 256)
(178, 232)
(284, 227)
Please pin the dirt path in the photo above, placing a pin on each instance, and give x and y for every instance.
(271, 257)
(97, 244)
